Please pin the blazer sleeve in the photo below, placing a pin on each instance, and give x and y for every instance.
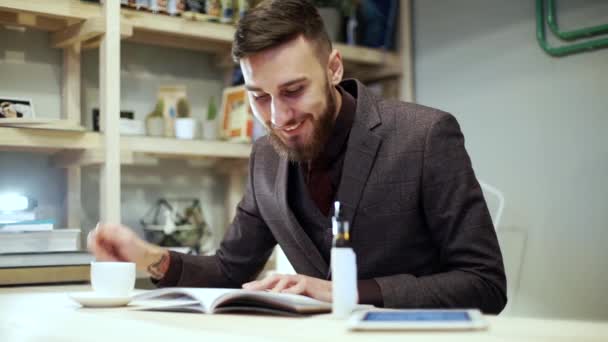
(472, 272)
(242, 254)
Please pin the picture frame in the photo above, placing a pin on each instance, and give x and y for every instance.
(237, 116)
(16, 108)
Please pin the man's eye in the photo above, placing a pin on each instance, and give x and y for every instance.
(293, 91)
(260, 98)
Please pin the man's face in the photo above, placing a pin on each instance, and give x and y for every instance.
(290, 92)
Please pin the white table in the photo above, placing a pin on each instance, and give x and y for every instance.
(47, 314)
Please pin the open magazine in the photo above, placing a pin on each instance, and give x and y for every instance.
(216, 300)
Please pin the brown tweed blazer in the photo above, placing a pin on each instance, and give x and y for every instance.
(420, 224)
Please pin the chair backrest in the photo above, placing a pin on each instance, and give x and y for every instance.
(512, 244)
(495, 200)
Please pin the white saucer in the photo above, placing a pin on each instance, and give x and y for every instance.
(94, 300)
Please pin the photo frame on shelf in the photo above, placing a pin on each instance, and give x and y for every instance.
(16, 108)
(237, 117)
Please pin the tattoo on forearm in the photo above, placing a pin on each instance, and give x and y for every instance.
(156, 269)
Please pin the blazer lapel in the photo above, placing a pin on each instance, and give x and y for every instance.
(305, 244)
(361, 153)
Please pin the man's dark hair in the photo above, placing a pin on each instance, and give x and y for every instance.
(274, 22)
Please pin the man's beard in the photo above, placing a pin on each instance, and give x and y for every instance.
(322, 129)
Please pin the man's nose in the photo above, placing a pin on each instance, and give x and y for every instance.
(280, 114)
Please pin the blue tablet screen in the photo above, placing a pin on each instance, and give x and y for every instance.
(418, 316)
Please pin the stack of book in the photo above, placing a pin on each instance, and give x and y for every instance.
(34, 243)
(37, 236)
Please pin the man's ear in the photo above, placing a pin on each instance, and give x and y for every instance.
(335, 68)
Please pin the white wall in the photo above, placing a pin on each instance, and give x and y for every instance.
(536, 129)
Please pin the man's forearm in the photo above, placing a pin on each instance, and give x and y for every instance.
(452, 289)
(156, 262)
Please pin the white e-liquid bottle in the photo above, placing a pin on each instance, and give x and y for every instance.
(343, 268)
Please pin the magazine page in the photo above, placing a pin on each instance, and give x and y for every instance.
(179, 298)
(268, 302)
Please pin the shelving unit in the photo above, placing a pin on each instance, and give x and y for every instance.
(154, 29)
(75, 26)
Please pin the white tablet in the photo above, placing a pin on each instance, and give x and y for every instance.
(417, 319)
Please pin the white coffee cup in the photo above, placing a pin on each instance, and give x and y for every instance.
(113, 279)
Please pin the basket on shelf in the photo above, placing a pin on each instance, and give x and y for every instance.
(165, 224)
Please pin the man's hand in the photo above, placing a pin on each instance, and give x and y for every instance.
(112, 242)
(296, 284)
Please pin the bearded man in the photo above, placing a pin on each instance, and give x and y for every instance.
(420, 226)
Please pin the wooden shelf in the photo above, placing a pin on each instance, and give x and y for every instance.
(175, 148)
(56, 124)
(167, 26)
(46, 140)
(159, 29)
(46, 15)
(58, 9)
(55, 140)
(26, 121)
(368, 56)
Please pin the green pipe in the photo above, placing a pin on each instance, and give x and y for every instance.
(566, 49)
(575, 34)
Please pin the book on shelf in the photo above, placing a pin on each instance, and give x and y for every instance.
(56, 240)
(16, 216)
(45, 259)
(27, 226)
(44, 275)
(217, 300)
